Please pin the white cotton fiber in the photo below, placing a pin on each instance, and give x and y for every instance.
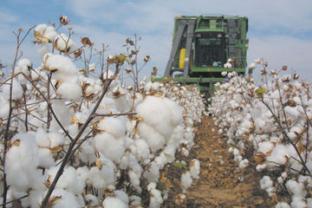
(109, 146)
(62, 66)
(282, 205)
(17, 90)
(65, 199)
(186, 181)
(113, 126)
(23, 158)
(154, 139)
(160, 113)
(69, 90)
(195, 168)
(142, 149)
(113, 202)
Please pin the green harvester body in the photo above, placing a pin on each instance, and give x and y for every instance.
(202, 45)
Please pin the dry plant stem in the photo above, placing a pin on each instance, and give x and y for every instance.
(22, 197)
(25, 108)
(49, 118)
(19, 41)
(287, 138)
(68, 154)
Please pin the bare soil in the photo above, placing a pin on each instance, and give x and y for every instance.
(222, 184)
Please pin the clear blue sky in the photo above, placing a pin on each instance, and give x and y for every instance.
(279, 30)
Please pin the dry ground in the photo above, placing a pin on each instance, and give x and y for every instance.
(222, 184)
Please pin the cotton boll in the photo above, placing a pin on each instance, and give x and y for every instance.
(44, 33)
(61, 66)
(195, 168)
(69, 180)
(42, 138)
(64, 199)
(69, 90)
(17, 90)
(23, 158)
(279, 155)
(87, 152)
(109, 146)
(265, 147)
(298, 202)
(152, 174)
(63, 43)
(282, 205)
(154, 139)
(267, 184)
(297, 189)
(243, 163)
(113, 126)
(160, 113)
(4, 110)
(45, 158)
(135, 180)
(155, 196)
(113, 202)
(142, 150)
(91, 200)
(23, 66)
(120, 194)
(56, 139)
(186, 181)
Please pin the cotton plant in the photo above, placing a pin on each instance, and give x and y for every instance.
(74, 137)
(269, 123)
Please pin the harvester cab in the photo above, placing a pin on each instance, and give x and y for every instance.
(205, 46)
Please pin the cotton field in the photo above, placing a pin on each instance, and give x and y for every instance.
(77, 136)
(269, 124)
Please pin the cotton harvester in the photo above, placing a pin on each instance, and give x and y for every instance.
(205, 46)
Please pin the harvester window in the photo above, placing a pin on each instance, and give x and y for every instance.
(210, 50)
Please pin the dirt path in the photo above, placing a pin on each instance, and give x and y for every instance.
(222, 184)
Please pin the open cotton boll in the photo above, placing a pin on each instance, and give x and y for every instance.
(44, 33)
(4, 110)
(135, 180)
(87, 152)
(160, 113)
(279, 155)
(298, 202)
(155, 196)
(17, 90)
(23, 158)
(91, 200)
(65, 199)
(45, 158)
(142, 150)
(69, 90)
(154, 139)
(152, 174)
(266, 184)
(120, 194)
(186, 181)
(56, 139)
(23, 66)
(297, 189)
(282, 205)
(195, 168)
(265, 147)
(113, 202)
(63, 43)
(243, 163)
(69, 180)
(62, 66)
(42, 138)
(109, 146)
(112, 125)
